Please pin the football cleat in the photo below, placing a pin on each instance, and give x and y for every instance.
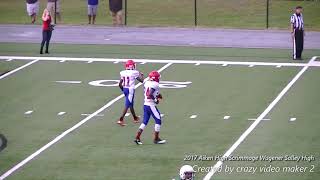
(159, 141)
(121, 123)
(136, 120)
(138, 142)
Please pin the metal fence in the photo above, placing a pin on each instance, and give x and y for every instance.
(255, 14)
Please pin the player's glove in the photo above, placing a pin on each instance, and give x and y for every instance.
(159, 96)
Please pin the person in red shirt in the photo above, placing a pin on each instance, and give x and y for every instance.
(46, 30)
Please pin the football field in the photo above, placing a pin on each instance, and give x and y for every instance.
(59, 116)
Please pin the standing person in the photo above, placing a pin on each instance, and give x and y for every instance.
(152, 97)
(46, 31)
(126, 84)
(33, 9)
(54, 10)
(92, 10)
(115, 7)
(297, 32)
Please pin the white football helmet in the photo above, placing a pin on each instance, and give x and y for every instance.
(186, 172)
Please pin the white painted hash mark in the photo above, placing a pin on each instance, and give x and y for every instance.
(62, 61)
(292, 119)
(90, 62)
(61, 113)
(197, 64)
(63, 134)
(69, 82)
(251, 65)
(161, 115)
(28, 112)
(8, 60)
(224, 65)
(226, 117)
(216, 167)
(127, 114)
(193, 116)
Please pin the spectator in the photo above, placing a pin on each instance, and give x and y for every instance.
(92, 10)
(115, 7)
(51, 8)
(33, 9)
(46, 30)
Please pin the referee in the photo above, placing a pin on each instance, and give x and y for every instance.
(297, 32)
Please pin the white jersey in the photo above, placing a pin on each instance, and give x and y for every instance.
(147, 87)
(129, 77)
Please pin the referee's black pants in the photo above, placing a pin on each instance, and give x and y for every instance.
(46, 36)
(298, 43)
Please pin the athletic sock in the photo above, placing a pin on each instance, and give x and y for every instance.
(156, 135)
(139, 134)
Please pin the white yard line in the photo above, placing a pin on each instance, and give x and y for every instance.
(255, 123)
(18, 69)
(161, 61)
(59, 137)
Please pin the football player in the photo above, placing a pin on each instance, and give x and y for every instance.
(186, 172)
(126, 84)
(152, 97)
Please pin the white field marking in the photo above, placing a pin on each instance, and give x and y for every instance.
(127, 114)
(69, 82)
(115, 62)
(28, 112)
(193, 116)
(90, 62)
(292, 119)
(251, 65)
(162, 61)
(143, 62)
(253, 119)
(63, 60)
(61, 113)
(278, 66)
(18, 69)
(161, 115)
(98, 115)
(9, 60)
(59, 137)
(226, 117)
(197, 64)
(224, 65)
(255, 123)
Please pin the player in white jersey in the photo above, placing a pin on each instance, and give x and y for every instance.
(127, 86)
(151, 99)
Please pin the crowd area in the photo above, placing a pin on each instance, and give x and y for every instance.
(54, 9)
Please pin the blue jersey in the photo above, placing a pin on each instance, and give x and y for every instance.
(93, 2)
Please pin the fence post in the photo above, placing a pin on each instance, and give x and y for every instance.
(267, 14)
(125, 12)
(55, 12)
(195, 13)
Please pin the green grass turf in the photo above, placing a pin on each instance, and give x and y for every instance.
(156, 52)
(279, 137)
(211, 13)
(100, 149)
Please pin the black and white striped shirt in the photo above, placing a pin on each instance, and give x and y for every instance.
(297, 21)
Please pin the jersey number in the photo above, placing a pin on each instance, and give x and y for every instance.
(124, 81)
(148, 93)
